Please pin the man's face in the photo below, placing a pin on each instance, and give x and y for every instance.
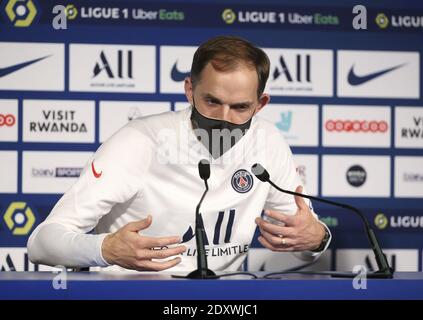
(229, 96)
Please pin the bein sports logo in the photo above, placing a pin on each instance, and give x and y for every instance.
(355, 126)
(58, 172)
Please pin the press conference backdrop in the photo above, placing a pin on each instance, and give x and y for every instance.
(346, 94)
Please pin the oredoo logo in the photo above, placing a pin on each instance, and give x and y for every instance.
(7, 120)
(356, 126)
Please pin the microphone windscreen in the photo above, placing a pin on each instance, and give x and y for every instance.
(260, 172)
(204, 169)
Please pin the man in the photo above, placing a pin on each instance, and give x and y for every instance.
(140, 189)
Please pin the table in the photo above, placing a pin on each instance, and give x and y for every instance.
(103, 285)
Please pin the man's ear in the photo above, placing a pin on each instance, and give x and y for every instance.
(188, 90)
(264, 99)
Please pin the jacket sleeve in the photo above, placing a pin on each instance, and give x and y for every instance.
(112, 176)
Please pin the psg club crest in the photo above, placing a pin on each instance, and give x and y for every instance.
(242, 181)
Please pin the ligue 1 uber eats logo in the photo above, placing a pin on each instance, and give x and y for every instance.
(19, 218)
(21, 13)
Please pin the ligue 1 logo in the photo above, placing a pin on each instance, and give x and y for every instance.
(229, 16)
(242, 181)
(21, 12)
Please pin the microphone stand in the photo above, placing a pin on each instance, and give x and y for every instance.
(384, 272)
(202, 271)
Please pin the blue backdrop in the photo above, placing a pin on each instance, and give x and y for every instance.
(188, 24)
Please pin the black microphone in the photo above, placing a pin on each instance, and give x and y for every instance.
(204, 171)
(202, 271)
(385, 271)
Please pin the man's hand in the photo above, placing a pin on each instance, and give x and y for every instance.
(130, 250)
(301, 231)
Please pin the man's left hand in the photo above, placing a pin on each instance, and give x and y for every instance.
(298, 232)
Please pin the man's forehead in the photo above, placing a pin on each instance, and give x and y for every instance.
(239, 84)
(213, 66)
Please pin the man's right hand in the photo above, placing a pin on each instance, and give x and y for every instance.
(130, 250)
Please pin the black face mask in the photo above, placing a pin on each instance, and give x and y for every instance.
(217, 135)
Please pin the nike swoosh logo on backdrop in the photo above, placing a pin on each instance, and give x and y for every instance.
(355, 80)
(8, 70)
(177, 75)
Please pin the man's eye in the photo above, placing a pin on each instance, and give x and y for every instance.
(211, 101)
(241, 107)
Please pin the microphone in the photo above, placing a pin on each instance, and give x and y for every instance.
(202, 271)
(204, 171)
(385, 271)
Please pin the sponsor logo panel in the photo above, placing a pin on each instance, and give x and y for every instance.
(299, 124)
(115, 114)
(175, 66)
(409, 127)
(308, 168)
(356, 126)
(399, 259)
(112, 68)
(51, 172)
(408, 177)
(9, 172)
(32, 66)
(59, 121)
(9, 120)
(298, 72)
(355, 176)
(378, 74)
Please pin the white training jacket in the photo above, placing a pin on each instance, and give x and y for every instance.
(150, 166)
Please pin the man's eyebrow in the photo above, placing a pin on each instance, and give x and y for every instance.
(236, 104)
(210, 96)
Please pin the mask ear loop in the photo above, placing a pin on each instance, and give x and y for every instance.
(193, 101)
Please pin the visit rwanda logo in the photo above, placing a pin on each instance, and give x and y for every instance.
(21, 13)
